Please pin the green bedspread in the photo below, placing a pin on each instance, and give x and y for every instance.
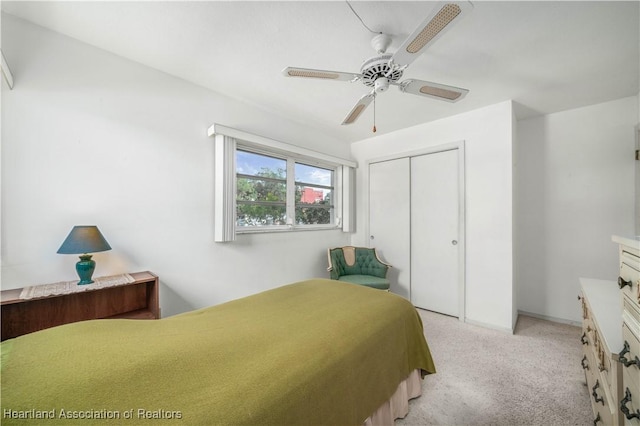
(315, 352)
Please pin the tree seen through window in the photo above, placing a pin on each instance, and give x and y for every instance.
(261, 198)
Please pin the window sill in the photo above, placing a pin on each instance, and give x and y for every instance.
(265, 230)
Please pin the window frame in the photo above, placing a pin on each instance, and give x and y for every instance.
(227, 140)
(239, 147)
(291, 161)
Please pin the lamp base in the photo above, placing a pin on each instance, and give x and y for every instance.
(85, 268)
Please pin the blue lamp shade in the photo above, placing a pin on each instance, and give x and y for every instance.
(83, 240)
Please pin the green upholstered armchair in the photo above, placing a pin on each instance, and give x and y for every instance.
(358, 265)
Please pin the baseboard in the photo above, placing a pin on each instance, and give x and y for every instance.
(487, 325)
(549, 318)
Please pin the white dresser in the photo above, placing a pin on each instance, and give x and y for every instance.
(601, 340)
(629, 353)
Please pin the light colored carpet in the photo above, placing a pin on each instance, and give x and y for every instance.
(489, 377)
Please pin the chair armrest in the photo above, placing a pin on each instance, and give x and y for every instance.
(333, 274)
(381, 261)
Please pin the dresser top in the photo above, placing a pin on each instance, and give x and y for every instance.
(606, 305)
(13, 295)
(633, 242)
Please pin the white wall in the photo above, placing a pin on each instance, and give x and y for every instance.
(575, 188)
(91, 138)
(487, 133)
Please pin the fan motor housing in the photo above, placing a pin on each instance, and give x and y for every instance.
(382, 84)
(376, 67)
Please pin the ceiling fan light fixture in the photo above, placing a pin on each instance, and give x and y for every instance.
(381, 85)
(448, 13)
(440, 93)
(313, 74)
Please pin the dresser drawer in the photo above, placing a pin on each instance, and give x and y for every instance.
(588, 334)
(629, 276)
(631, 311)
(586, 315)
(631, 253)
(601, 402)
(589, 363)
(630, 401)
(599, 374)
(631, 356)
(602, 357)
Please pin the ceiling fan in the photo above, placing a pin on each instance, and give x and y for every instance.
(385, 69)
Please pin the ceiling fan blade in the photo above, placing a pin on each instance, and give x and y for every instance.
(435, 24)
(321, 74)
(358, 108)
(433, 90)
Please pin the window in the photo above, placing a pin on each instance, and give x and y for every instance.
(314, 195)
(261, 190)
(263, 185)
(268, 196)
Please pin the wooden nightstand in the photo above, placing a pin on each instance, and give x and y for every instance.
(136, 300)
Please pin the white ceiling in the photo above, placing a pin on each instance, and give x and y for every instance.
(546, 56)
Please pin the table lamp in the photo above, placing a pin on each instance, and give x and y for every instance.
(82, 240)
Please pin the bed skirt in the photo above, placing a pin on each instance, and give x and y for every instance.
(398, 405)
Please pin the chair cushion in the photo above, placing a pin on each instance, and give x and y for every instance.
(367, 280)
(369, 263)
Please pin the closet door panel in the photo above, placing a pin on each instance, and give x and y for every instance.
(389, 203)
(434, 232)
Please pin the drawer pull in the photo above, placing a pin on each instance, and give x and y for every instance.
(585, 365)
(583, 339)
(624, 360)
(622, 283)
(625, 410)
(596, 420)
(596, 398)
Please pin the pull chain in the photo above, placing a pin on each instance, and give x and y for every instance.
(374, 114)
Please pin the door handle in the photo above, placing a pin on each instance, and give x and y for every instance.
(454, 242)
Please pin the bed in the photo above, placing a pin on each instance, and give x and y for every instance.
(313, 352)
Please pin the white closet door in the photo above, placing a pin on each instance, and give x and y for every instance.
(434, 232)
(389, 205)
